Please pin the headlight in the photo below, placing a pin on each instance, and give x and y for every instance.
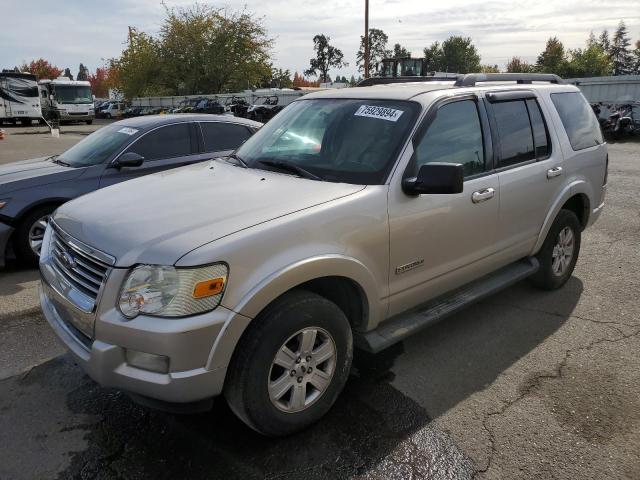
(172, 292)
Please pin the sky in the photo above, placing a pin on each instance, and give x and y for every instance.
(67, 32)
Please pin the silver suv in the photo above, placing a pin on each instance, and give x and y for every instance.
(354, 217)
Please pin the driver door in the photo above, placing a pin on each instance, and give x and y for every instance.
(441, 241)
(165, 147)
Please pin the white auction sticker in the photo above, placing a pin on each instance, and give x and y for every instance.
(384, 113)
(128, 130)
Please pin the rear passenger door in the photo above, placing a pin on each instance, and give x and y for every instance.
(165, 147)
(529, 166)
(222, 138)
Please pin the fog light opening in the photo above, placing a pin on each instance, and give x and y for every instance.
(147, 361)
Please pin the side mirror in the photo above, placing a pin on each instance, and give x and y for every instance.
(129, 159)
(443, 178)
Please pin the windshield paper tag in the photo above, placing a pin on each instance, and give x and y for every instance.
(128, 131)
(390, 114)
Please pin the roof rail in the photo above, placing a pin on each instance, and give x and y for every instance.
(470, 79)
(368, 82)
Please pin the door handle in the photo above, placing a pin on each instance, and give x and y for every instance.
(554, 172)
(483, 195)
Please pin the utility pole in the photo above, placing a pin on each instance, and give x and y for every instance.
(366, 38)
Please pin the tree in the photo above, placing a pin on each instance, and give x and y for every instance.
(352, 81)
(42, 69)
(619, 51)
(211, 50)
(593, 61)
(517, 65)
(327, 57)
(281, 78)
(377, 50)
(67, 73)
(433, 57)
(83, 73)
(400, 52)
(604, 41)
(636, 59)
(553, 59)
(100, 82)
(489, 69)
(456, 54)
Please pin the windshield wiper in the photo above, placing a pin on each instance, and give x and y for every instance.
(290, 167)
(240, 161)
(56, 159)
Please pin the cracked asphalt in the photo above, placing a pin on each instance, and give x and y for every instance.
(526, 384)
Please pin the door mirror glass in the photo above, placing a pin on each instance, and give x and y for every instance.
(129, 159)
(443, 178)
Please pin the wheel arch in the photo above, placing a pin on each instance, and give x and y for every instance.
(575, 197)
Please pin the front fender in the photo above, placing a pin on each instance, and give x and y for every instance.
(285, 279)
(578, 186)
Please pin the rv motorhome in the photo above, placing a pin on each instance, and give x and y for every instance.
(19, 99)
(67, 100)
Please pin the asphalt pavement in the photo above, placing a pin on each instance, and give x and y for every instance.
(526, 384)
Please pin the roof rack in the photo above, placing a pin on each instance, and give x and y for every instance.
(368, 82)
(470, 79)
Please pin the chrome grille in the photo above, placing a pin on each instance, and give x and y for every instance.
(81, 270)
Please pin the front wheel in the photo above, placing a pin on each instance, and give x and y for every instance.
(559, 252)
(291, 364)
(89, 122)
(29, 235)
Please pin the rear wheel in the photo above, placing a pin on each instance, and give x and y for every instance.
(89, 122)
(291, 364)
(29, 235)
(559, 252)
(25, 122)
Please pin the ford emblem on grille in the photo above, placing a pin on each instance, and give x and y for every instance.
(67, 260)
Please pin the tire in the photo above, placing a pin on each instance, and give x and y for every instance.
(253, 369)
(551, 275)
(25, 122)
(23, 235)
(89, 122)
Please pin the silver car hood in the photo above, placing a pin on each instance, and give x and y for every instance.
(158, 218)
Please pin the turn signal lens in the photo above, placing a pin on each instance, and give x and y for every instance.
(208, 288)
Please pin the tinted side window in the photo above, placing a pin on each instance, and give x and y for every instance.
(540, 133)
(455, 136)
(516, 138)
(164, 142)
(223, 136)
(578, 119)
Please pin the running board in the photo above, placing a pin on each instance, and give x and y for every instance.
(400, 327)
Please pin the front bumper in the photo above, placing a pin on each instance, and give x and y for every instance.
(79, 117)
(5, 235)
(187, 342)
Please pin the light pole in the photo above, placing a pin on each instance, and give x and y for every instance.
(366, 38)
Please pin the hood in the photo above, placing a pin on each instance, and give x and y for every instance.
(33, 173)
(158, 218)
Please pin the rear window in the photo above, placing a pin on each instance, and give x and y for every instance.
(578, 119)
(219, 136)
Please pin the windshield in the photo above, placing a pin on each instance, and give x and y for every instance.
(339, 140)
(99, 146)
(73, 94)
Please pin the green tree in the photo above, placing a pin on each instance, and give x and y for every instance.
(636, 59)
(619, 51)
(352, 81)
(489, 69)
(553, 59)
(433, 58)
(83, 73)
(377, 50)
(593, 61)
(518, 65)
(67, 73)
(604, 41)
(281, 78)
(400, 52)
(327, 57)
(210, 50)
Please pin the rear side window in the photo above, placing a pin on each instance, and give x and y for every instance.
(220, 136)
(578, 119)
(164, 142)
(514, 128)
(454, 136)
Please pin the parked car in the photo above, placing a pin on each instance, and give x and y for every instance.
(209, 105)
(355, 217)
(112, 110)
(98, 107)
(32, 189)
(264, 108)
(236, 105)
